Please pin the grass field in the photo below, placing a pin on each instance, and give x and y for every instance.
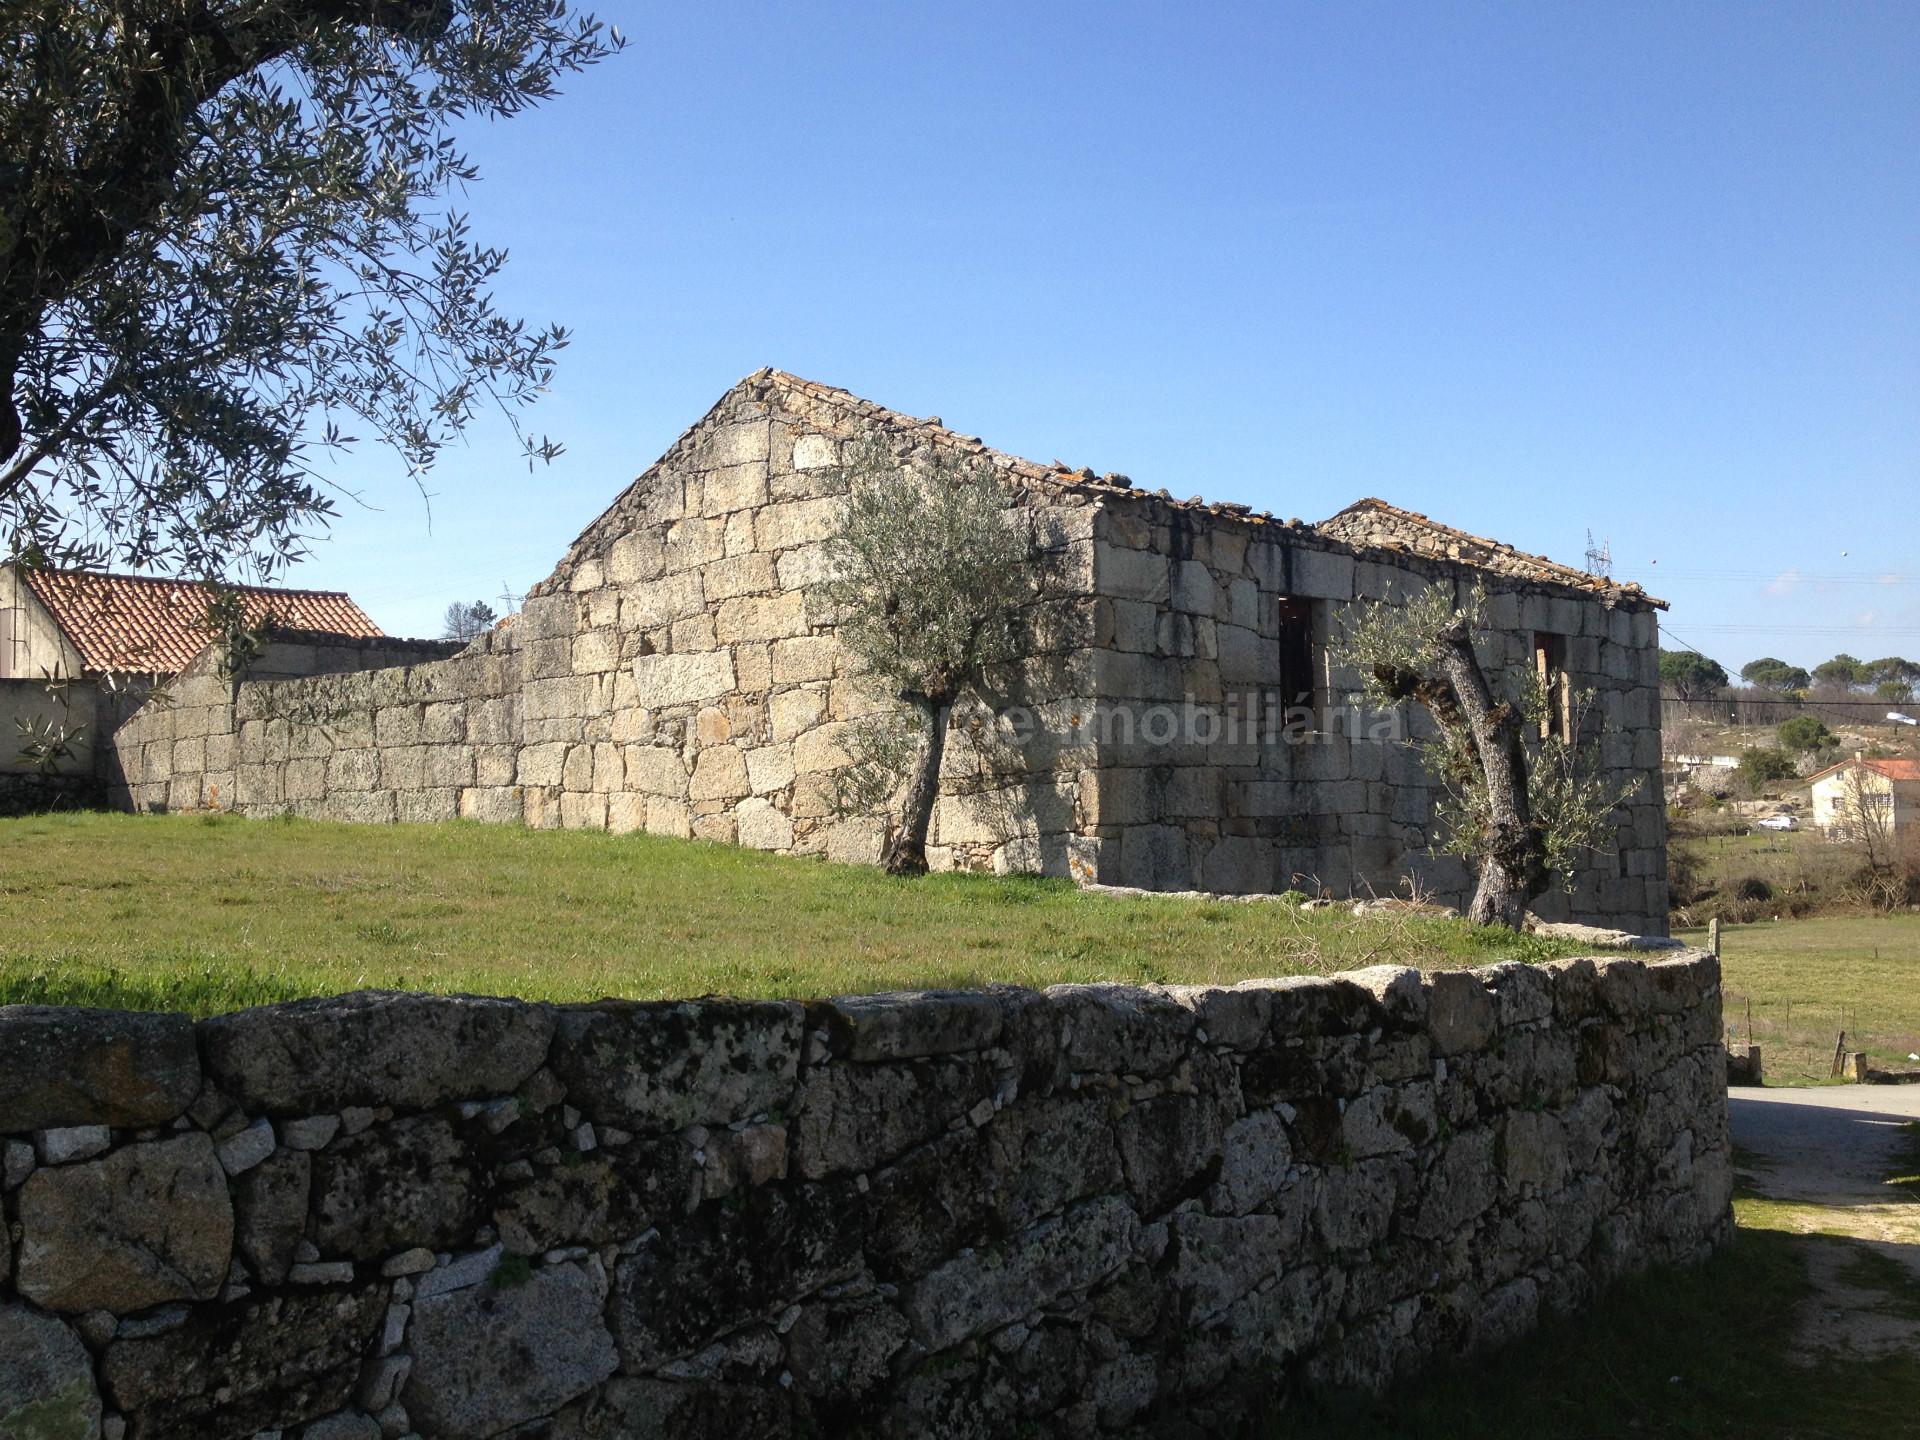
(212, 913)
(1807, 980)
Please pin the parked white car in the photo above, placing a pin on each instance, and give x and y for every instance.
(1778, 822)
(1899, 719)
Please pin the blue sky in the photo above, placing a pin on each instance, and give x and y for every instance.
(1651, 270)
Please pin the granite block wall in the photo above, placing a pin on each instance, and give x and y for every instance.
(1211, 776)
(1097, 1210)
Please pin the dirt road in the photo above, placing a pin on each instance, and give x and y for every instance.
(1823, 1158)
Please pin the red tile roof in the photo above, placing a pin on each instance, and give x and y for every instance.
(1902, 770)
(154, 625)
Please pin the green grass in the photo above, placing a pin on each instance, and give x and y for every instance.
(207, 914)
(1810, 979)
(1688, 1354)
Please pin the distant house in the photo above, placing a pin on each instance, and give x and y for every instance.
(86, 626)
(1884, 793)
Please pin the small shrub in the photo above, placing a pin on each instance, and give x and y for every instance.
(1762, 764)
(1752, 887)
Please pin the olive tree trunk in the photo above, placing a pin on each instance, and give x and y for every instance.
(907, 855)
(1513, 865)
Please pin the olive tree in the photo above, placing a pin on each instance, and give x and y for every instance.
(934, 567)
(227, 251)
(1523, 803)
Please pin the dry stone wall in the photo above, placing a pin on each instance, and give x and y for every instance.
(1096, 1210)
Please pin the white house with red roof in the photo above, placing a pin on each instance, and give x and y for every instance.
(1882, 793)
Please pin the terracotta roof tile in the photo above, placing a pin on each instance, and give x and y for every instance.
(1899, 770)
(156, 625)
(1376, 524)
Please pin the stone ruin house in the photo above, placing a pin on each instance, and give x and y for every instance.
(678, 673)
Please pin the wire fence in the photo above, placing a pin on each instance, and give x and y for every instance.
(1771, 710)
(1798, 1041)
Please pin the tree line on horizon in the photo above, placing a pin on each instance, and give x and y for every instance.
(1693, 676)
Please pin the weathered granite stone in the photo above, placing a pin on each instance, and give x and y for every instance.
(1389, 1119)
(489, 1357)
(461, 1272)
(712, 1270)
(46, 1380)
(976, 1293)
(245, 1149)
(740, 1159)
(640, 1409)
(1323, 1006)
(147, 1224)
(1170, 1146)
(841, 1350)
(312, 1132)
(405, 1183)
(613, 1196)
(61, 1066)
(662, 1066)
(1461, 1012)
(271, 1205)
(1233, 1015)
(376, 1047)
(1043, 1154)
(856, 1117)
(1458, 1187)
(408, 1262)
(1397, 988)
(72, 1142)
(913, 1023)
(346, 1425)
(1255, 1155)
(1218, 1259)
(232, 1370)
(1120, 1028)
(16, 1163)
(1523, 994)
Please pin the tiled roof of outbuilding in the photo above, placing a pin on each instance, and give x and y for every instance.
(154, 625)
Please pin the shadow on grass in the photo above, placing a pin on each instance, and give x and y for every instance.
(1696, 1353)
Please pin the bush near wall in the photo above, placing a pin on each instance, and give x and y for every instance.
(1092, 1210)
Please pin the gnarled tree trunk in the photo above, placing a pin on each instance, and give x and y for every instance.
(1513, 864)
(907, 855)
